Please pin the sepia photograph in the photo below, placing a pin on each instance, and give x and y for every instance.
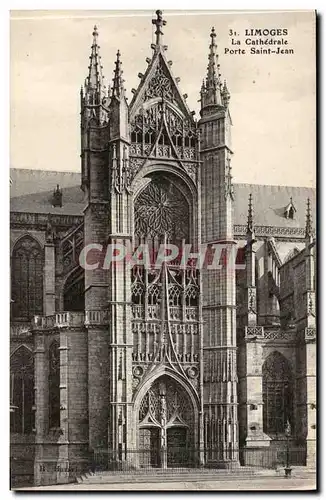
(163, 250)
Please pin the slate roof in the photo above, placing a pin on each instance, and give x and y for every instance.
(269, 203)
(31, 191)
(28, 181)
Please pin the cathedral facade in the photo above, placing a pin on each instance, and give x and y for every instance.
(158, 365)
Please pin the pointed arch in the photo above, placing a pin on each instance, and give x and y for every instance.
(277, 394)
(166, 419)
(157, 373)
(22, 390)
(27, 264)
(54, 385)
(178, 409)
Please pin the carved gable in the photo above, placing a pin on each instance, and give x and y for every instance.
(159, 83)
(161, 125)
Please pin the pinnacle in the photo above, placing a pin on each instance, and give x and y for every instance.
(211, 89)
(118, 88)
(250, 220)
(308, 232)
(95, 77)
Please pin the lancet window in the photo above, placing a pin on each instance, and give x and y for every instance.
(22, 391)
(27, 279)
(54, 385)
(277, 394)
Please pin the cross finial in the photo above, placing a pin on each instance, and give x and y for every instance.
(95, 32)
(213, 34)
(159, 23)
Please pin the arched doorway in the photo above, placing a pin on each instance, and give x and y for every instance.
(166, 426)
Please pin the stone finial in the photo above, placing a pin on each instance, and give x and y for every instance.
(159, 22)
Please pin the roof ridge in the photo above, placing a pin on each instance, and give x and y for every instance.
(45, 170)
(235, 183)
(273, 185)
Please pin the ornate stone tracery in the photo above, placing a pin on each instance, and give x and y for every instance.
(160, 210)
(160, 85)
(161, 130)
(166, 404)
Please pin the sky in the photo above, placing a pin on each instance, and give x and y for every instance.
(272, 96)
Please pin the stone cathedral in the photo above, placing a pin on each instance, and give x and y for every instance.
(181, 365)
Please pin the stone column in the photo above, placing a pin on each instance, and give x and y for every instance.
(73, 457)
(41, 403)
(62, 468)
(49, 277)
(311, 393)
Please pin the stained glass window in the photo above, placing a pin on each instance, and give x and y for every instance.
(277, 394)
(22, 391)
(27, 279)
(161, 209)
(54, 385)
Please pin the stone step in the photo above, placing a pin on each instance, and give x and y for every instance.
(177, 475)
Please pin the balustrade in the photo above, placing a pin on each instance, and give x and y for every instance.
(154, 313)
(70, 319)
(137, 312)
(96, 317)
(63, 319)
(43, 322)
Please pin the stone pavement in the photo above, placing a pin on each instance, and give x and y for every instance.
(228, 482)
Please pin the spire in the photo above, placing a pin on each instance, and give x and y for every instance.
(250, 220)
(95, 77)
(308, 233)
(118, 88)
(159, 22)
(212, 95)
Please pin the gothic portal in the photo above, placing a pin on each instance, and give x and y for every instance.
(151, 174)
(177, 365)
